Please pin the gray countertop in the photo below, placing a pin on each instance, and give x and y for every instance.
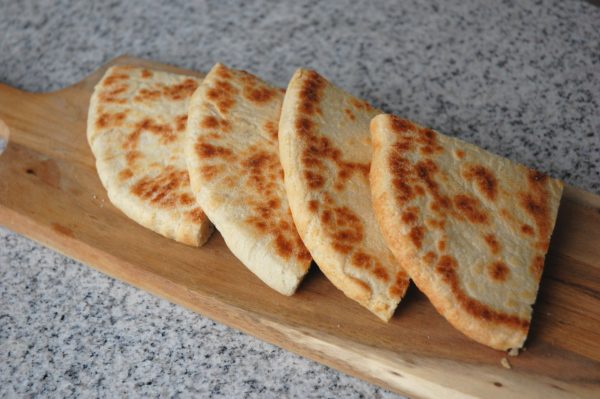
(520, 78)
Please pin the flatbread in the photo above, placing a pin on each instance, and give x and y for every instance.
(325, 152)
(233, 159)
(136, 130)
(470, 227)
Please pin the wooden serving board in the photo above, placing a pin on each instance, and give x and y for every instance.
(49, 191)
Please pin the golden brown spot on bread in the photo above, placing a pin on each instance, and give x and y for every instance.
(404, 191)
(181, 90)
(186, 199)
(162, 190)
(225, 105)
(258, 223)
(272, 129)
(213, 94)
(409, 216)
(527, 229)
(361, 260)
(180, 122)
(212, 122)
(402, 146)
(446, 268)
(164, 131)
(209, 122)
(107, 120)
(222, 94)
(537, 266)
(535, 203)
(196, 215)
(425, 171)
(430, 257)
(145, 94)
(206, 150)
(416, 236)
(311, 92)
(208, 172)
(484, 180)
(360, 104)
(441, 245)
(435, 223)
(492, 243)
(507, 215)
(131, 156)
(498, 271)
(349, 114)
(114, 78)
(313, 206)
(364, 261)
(428, 140)
(400, 125)
(401, 170)
(146, 74)
(253, 89)
(257, 161)
(111, 95)
(259, 94)
(400, 285)
(225, 88)
(459, 154)
(223, 73)
(283, 246)
(380, 273)
(314, 180)
(304, 126)
(125, 174)
(470, 208)
(343, 227)
(117, 90)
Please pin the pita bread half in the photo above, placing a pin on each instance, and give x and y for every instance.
(471, 228)
(233, 159)
(136, 130)
(325, 151)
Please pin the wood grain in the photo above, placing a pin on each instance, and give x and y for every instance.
(49, 191)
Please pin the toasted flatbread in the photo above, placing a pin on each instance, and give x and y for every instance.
(471, 228)
(324, 145)
(233, 160)
(136, 130)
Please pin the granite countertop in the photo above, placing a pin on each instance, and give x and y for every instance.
(520, 78)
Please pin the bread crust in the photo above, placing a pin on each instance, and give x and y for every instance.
(473, 236)
(236, 176)
(325, 153)
(135, 128)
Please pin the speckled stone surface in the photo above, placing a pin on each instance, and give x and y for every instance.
(521, 78)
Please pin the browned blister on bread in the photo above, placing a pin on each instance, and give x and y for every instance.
(471, 228)
(325, 152)
(136, 130)
(233, 158)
